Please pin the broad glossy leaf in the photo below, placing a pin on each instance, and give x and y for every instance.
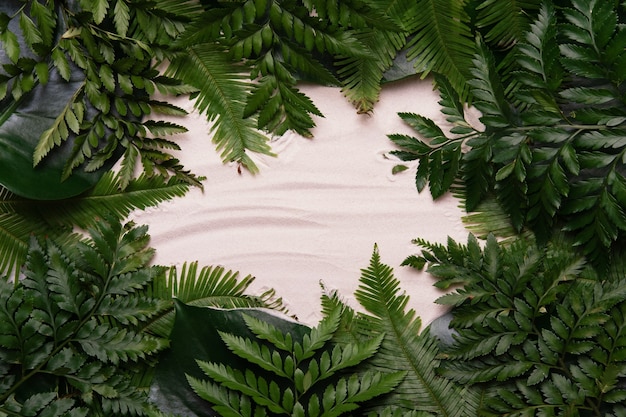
(195, 337)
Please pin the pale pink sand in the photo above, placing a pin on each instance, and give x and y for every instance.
(314, 213)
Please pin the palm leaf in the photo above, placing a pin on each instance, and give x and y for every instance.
(443, 42)
(15, 232)
(405, 348)
(21, 218)
(490, 217)
(182, 8)
(222, 93)
(362, 76)
(504, 22)
(212, 286)
(106, 197)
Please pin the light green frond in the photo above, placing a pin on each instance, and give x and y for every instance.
(404, 348)
(184, 8)
(21, 218)
(15, 231)
(489, 217)
(222, 93)
(197, 286)
(106, 197)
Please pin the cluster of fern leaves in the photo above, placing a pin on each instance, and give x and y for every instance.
(309, 377)
(72, 331)
(550, 150)
(240, 59)
(537, 331)
(80, 329)
(109, 50)
(378, 362)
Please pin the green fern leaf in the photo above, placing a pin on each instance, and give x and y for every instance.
(58, 325)
(488, 91)
(130, 310)
(59, 131)
(439, 159)
(255, 353)
(348, 392)
(362, 76)
(265, 331)
(64, 284)
(226, 403)
(255, 387)
(115, 345)
(531, 320)
(379, 294)
(322, 333)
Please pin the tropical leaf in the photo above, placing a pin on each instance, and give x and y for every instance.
(96, 74)
(526, 322)
(550, 150)
(195, 336)
(292, 385)
(20, 218)
(222, 93)
(61, 320)
(209, 286)
(405, 347)
(503, 23)
(442, 42)
(362, 77)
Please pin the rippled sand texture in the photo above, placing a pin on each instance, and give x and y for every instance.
(314, 213)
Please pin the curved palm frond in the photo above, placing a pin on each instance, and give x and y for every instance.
(107, 197)
(490, 218)
(504, 22)
(362, 76)
(443, 42)
(21, 218)
(15, 232)
(383, 30)
(221, 96)
(182, 8)
(405, 348)
(212, 286)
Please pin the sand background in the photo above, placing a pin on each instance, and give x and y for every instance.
(315, 212)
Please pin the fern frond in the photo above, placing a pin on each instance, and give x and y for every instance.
(225, 401)
(116, 345)
(256, 387)
(344, 397)
(362, 76)
(20, 218)
(255, 353)
(106, 197)
(379, 294)
(487, 89)
(527, 322)
(489, 217)
(56, 323)
(222, 93)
